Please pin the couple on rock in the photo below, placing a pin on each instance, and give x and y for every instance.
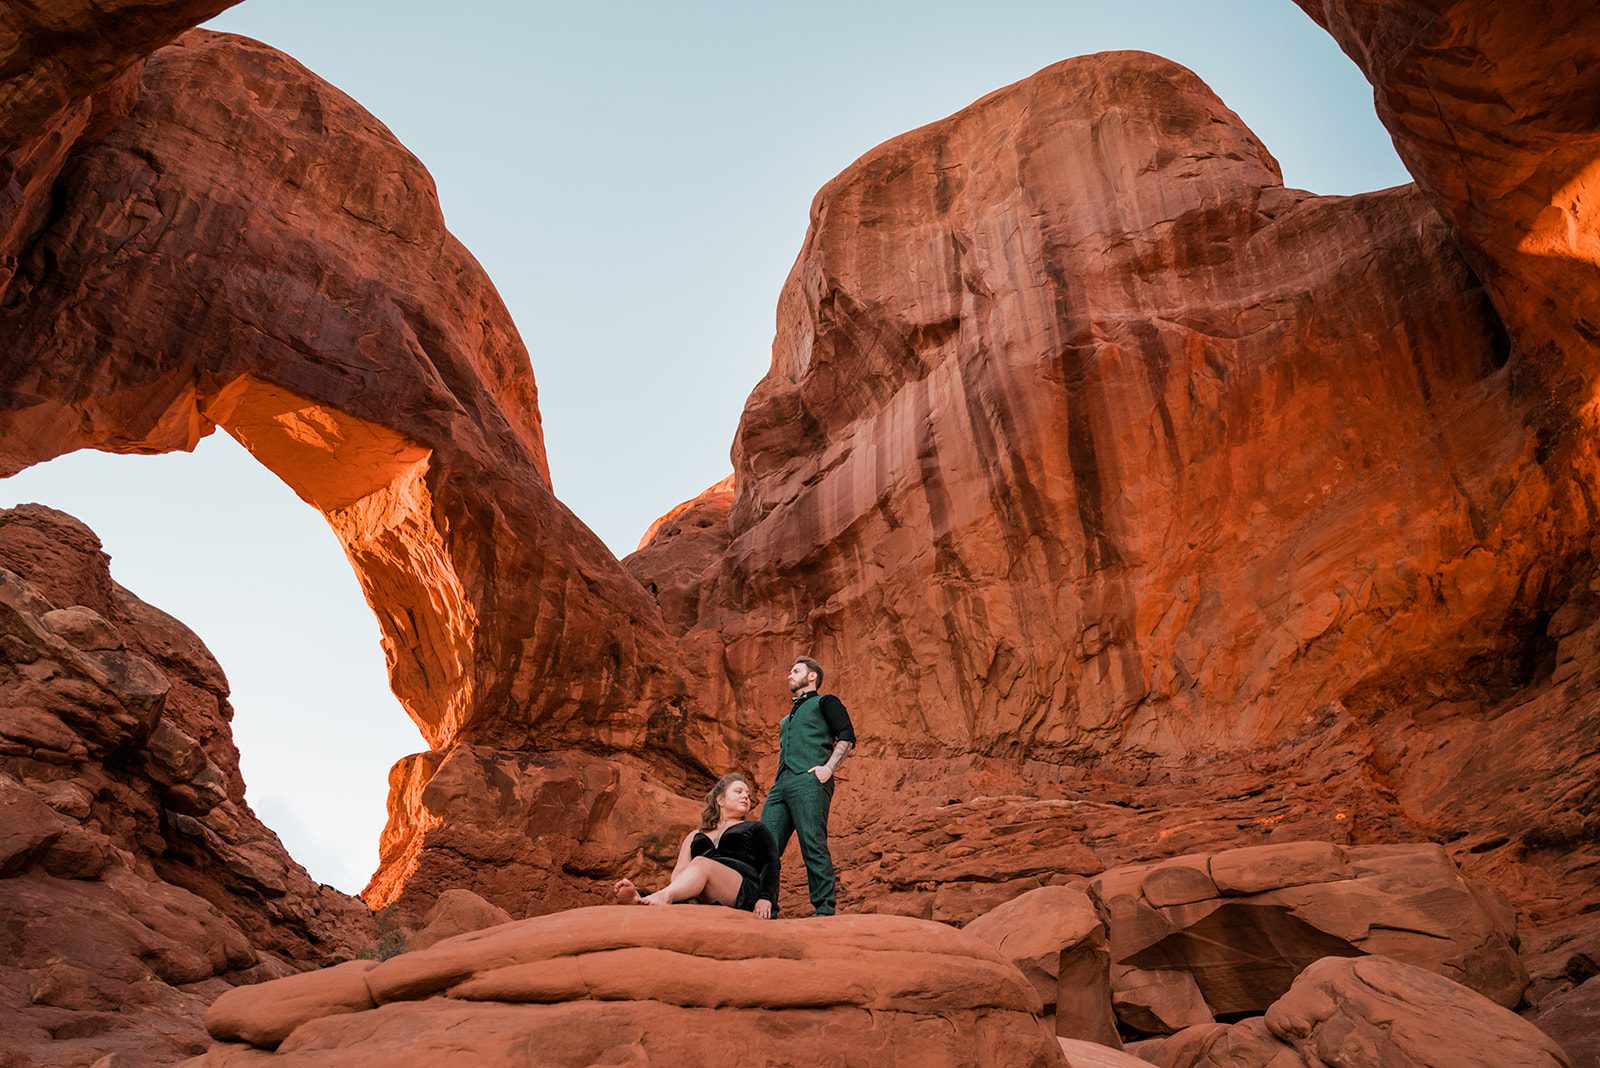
(733, 860)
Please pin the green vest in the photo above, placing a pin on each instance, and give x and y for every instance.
(804, 740)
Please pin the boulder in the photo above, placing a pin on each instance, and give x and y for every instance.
(266, 1014)
(1198, 937)
(1055, 937)
(1367, 1012)
(456, 912)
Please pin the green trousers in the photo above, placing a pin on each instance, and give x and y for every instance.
(798, 804)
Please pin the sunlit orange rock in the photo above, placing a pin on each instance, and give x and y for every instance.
(378, 374)
(1494, 114)
(1138, 505)
(531, 832)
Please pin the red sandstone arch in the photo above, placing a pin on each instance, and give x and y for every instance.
(263, 256)
(298, 288)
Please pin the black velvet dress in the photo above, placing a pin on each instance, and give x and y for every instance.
(749, 849)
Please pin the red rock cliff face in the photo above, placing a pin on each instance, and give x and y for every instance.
(1086, 440)
(135, 882)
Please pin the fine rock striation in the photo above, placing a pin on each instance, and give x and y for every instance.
(673, 985)
(1070, 442)
(135, 882)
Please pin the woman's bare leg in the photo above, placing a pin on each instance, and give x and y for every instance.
(704, 880)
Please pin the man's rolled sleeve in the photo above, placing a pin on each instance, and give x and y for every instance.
(838, 720)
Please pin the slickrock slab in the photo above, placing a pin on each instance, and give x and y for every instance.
(1367, 1012)
(267, 1014)
(1179, 959)
(1055, 937)
(682, 984)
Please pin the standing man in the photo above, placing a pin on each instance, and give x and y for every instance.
(812, 741)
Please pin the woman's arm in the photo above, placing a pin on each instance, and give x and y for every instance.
(683, 855)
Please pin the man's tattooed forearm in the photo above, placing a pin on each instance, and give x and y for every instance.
(840, 751)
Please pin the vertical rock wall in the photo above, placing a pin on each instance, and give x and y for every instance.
(1091, 453)
(135, 882)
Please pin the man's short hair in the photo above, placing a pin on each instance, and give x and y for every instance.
(811, 665)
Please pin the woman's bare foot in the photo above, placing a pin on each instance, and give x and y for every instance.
(658, 898)
(627, 893)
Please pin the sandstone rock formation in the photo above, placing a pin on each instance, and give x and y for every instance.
(1572, 1019)
(379, 378)
(524, 829)
(1367, 1012)
(1494, 115)
(1142, 507)
(456, 912)
(1055, 938)
(1564, 997)
(1198, 937)
(264, 256)
(1092, 457)
(1062, 364)
(58, 54)
(678, 985)
(135, 882)
(1109, 381)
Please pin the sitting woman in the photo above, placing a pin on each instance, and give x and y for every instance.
(730, 860)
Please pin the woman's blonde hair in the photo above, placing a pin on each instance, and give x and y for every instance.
(712, 814)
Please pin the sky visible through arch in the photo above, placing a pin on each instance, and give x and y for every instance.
(635, 177)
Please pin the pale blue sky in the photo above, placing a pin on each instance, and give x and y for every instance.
(636, 178)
